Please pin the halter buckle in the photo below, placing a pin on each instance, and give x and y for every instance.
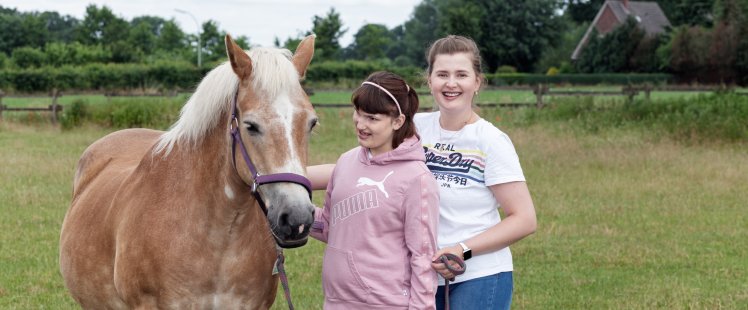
(233, 124)
(254, 182)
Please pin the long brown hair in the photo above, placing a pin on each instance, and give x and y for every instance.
(370, 99)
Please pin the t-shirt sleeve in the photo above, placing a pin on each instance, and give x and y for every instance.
(502, 162)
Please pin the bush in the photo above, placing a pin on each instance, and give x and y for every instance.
(506, 69)
(3, 60)
(337, 71)
(28, 57)
(74, 114)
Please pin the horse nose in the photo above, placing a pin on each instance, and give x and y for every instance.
(291, 215)
(296, 221)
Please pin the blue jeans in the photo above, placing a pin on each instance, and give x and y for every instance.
(484, 293)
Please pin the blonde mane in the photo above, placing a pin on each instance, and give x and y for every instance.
(272, 74)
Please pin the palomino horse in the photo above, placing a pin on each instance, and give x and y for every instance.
(166, 219)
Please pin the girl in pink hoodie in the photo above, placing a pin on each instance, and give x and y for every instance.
(381, 211)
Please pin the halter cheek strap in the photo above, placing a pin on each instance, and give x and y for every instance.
(387, 92)
(259, 179)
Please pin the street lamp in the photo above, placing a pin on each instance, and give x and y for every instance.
(199, 46)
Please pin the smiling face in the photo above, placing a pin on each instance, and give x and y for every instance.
(453, 81)
(375, 131)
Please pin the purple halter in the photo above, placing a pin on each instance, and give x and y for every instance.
(257, 178)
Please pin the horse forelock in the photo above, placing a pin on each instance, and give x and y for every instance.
(272, 71)
(273, 74)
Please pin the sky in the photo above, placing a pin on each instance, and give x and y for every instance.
(260, 20)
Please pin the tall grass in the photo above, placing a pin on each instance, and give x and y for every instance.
(628, 219)
(703, 118)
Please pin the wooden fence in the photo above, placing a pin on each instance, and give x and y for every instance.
(629, 91)
(540, 91)
(53, 108)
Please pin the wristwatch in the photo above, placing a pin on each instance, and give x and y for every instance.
(467, 253)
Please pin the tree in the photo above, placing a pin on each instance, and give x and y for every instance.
(142, 37)
(582, 11)
(688, 12)
(421, 30)
(171, 38)
(60, 28)
(12, 35)
(559, 56)
(101, 26)
(396, 50)
(507, 32)
(611, 53)
(155, 23)
(328, 29)
(461, 18)
(213, 46)
(517, 32)
(291, 43)
(371, 42)
(33, 29)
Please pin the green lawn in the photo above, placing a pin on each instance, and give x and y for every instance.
(626, 219)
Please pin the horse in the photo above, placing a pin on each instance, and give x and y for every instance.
(165, 220)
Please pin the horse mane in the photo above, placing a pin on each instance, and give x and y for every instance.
(272, 74)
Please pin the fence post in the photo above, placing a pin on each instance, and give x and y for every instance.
(55, 107)
(2, 107)
(630, 91)
(539, 91)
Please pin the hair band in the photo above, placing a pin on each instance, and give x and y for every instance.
(386, 92)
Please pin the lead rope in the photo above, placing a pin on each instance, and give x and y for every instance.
(283, 278)
(445, 258)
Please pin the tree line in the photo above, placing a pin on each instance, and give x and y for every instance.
(531, 36)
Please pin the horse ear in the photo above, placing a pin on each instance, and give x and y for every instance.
(239, 59)
(303, 55)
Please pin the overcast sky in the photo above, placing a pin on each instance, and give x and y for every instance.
(260, 20)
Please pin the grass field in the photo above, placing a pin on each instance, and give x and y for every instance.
(626, 219)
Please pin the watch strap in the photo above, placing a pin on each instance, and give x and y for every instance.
(467, 253)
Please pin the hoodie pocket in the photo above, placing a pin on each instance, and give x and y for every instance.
(341, 279)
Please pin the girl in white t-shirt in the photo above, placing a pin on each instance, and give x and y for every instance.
(478, 171)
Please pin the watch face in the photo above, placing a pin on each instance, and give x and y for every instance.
(467, 254)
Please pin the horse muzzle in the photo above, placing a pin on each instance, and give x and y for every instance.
(291, 224)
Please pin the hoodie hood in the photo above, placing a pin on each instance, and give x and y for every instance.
(410, 150)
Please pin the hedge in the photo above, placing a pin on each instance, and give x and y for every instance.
(96, 76)
(166, 75)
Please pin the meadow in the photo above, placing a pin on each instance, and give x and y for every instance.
(632, 216)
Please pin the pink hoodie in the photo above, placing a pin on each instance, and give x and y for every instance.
(379, 222)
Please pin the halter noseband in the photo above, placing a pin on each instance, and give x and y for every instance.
(258, 179)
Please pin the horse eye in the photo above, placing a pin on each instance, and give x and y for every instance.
(252, 127)
(313, 123)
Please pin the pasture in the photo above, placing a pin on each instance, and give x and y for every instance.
(627, 218)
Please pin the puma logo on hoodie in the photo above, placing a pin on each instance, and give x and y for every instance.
(364, 181)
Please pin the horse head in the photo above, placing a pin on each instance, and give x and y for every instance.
(274, 119)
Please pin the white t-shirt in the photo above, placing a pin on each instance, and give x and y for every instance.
(464, 163)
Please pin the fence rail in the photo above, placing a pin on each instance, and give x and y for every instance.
(53, 108)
